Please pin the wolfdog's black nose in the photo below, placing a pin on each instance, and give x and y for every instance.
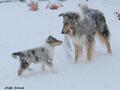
(62, 32)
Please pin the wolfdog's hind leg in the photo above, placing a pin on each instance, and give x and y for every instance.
(20, 71)
(108, 46)
(23, 65)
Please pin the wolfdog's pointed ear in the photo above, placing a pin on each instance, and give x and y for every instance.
(50, 36)
(49, 39)
(62, 14)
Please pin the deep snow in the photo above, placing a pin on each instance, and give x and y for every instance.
(22, 29)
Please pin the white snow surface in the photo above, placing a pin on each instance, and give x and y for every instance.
(22, 29)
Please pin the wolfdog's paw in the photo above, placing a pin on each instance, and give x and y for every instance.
(77, 61)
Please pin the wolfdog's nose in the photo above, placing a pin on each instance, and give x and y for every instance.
(61, 41)
(62, 32)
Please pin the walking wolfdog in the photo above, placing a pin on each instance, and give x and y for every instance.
(43, 55)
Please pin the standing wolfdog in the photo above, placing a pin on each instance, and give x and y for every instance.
(81, 28)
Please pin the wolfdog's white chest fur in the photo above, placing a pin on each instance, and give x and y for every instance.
(79, 39)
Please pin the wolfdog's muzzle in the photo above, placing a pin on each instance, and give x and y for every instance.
(67, 30)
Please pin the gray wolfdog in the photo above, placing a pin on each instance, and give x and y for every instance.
(81, 28)
(43, 54)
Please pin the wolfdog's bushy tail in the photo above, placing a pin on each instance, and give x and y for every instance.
(104, 34)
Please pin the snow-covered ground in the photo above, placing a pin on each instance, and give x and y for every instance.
(22, 29)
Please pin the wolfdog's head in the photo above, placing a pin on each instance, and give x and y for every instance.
(53, 41)
(70, 22)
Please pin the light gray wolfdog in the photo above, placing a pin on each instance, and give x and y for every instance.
(81, 28)
(43, 54)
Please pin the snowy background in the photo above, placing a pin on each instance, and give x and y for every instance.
(22, 29)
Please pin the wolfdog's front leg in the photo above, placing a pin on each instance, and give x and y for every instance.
(77, 52)
(90, 50)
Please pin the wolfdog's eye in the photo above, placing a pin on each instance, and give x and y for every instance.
(54, 39)
(76, 22)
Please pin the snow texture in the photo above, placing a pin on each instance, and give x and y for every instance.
(22, 29)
